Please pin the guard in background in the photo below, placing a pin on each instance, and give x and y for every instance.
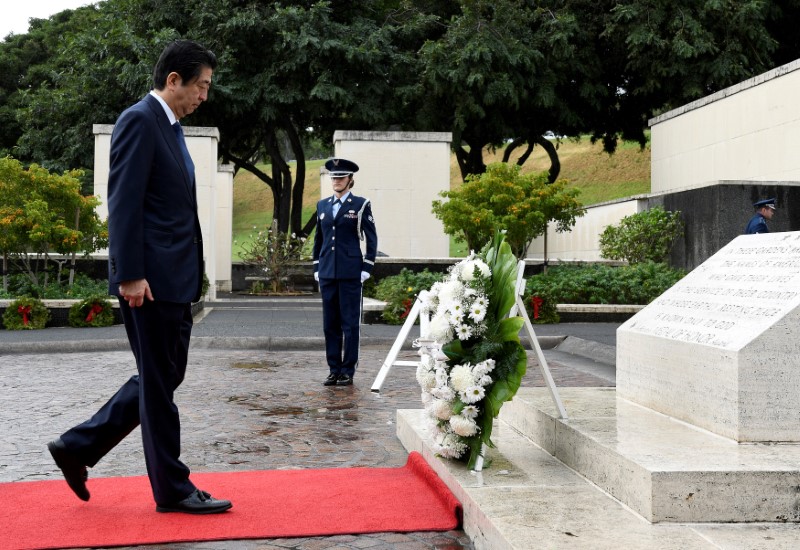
(764, 211)
(343, 220)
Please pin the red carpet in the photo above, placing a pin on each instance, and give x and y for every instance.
(266, 504)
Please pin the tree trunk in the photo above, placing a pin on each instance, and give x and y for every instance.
(296, 214)
(555, 165)
(470, 159)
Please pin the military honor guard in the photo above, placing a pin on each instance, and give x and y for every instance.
(758, 223)
(340, 267)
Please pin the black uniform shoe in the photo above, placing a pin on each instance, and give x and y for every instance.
(198, 502)
(344, 380)
(74, 472)
(331, 380)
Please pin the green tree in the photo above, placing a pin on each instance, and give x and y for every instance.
(43, 215)
(642, 237)
(504, 199)
(290, 73)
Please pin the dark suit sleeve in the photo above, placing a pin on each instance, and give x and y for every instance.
(371, 236)
(317, 242)
(132, 148)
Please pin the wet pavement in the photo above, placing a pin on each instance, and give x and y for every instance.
(241, 409)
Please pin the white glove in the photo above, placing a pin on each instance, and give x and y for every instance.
(364, 276)
(316, 276)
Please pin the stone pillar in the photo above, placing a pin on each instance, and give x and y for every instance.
(401, 173)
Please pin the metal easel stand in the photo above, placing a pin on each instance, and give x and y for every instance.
(391, 358)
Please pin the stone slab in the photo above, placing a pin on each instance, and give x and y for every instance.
(718, 349)
(663, 469)
(527, 499)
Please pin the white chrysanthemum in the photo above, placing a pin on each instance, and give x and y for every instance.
(426, 377)
(465, 427)
(426, 398)
(470, 411)
(470, 292)
(451, 291)
(468, 269)
(450, 446)
(483, 268)
(444, 392)
(484, 380)
(473, 394)
(455, 312)
(484, 367)
(440, 329)
(463, 331)
(441, 409)
(461, 377)
(482, 300)
(477, 313)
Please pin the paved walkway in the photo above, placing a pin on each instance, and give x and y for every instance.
(252, 399)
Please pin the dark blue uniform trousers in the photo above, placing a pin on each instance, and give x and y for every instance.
(159, 335)
(341, 323)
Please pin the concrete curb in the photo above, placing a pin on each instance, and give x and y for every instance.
(266, 343)
(596, 351)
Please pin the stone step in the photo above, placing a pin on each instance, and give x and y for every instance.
(525, 498)
(663, 469)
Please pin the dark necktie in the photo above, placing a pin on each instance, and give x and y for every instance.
(187, 159)
(336, 204)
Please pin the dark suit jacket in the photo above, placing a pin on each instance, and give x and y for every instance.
(153, 228)
(337, 250)
(757, 224)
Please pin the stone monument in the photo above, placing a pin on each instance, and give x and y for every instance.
(719, 348)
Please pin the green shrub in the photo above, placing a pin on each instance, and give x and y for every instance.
(83, 286)
(642, 237)
(95, 311)
(399, 292)
(541, 306)
(599, 284)
(26, 313)
(503, 198)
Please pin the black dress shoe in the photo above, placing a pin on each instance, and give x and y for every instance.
(74, 472)
(331, 380)
(198, 502)
(344, 380)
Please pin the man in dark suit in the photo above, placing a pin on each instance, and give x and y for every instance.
(758, 223)
(343, 220)
(156, 270)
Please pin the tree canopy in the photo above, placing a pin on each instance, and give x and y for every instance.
(492, 72)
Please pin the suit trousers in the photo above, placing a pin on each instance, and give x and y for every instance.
(341, 323)
(159, 334)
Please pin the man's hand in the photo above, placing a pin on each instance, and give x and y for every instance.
(364, 276)
(135, 292)
(316, 276)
